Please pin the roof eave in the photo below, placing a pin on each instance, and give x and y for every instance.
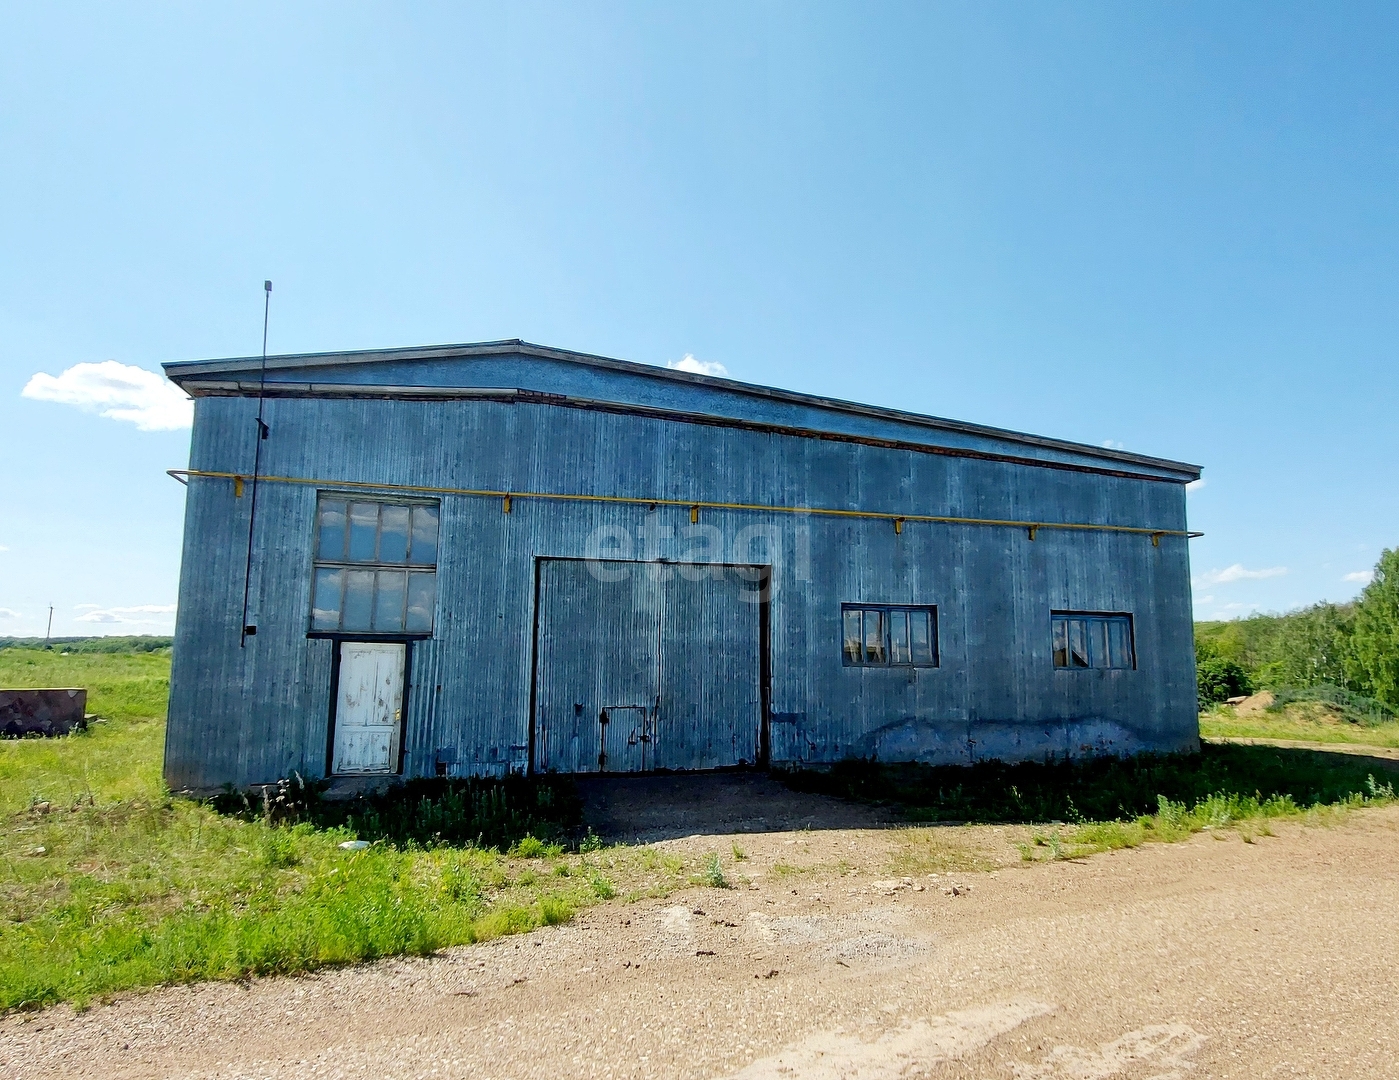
(198, 371)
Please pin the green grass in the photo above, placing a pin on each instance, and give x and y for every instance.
(116, 759)
(105, 898)
(923, 851)
(108, 884)
(1301, 721)
(1102, 804)
(1248, 815)
(120, 686)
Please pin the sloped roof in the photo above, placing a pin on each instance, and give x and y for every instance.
(517, 369)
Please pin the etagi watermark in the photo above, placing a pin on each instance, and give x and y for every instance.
(760, 557)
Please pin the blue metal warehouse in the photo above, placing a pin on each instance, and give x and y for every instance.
(473, 559)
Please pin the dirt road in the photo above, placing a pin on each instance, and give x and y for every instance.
(1214, 958)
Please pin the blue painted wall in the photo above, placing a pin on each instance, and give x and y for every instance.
(254, 714)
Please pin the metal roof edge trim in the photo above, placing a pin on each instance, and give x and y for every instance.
(179, 371)
(358, 391)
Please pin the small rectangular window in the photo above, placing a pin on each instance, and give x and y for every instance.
(898, 638)
(424, 536)
(393, 534)
(889, 635)
(325, 604)
(375, 567)
(851, 620)
(1083, 640)
(390, 594)
(1120, 642)
(358, 608)
(874, 636)
(422, 598)
(364, 530)
(331, 543)
(923, 632)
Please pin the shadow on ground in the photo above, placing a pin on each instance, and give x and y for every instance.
(1377, 757)
(500, 812)
(647, 808)
(1100, 788)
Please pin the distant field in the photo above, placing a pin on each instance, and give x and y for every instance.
(118, 759)
(137, 643)
(1302, 722)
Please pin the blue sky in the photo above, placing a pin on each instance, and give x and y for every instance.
(1170, 227)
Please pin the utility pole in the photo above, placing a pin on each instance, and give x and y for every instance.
(48, 633)
(262, 432)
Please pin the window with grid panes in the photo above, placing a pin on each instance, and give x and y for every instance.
(885, 635)
(1083, 640)
(375, 566)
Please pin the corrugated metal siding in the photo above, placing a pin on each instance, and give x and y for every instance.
(643, 387)
(258, 713)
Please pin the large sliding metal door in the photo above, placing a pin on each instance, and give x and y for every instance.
(710, 669)
(598, 643)
(646, 666)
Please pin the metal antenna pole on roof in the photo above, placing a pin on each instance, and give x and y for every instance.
(262, 433)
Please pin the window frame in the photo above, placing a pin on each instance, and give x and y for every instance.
(344, 565)
(1088, 619)
(888, 663)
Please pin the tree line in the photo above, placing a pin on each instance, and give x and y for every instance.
(1353, 648)
(139, 643)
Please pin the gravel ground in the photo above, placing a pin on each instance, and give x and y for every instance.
(1213, 958)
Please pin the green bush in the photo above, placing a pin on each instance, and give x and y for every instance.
(1353, 708)
(1374, 662)
(1217, 678)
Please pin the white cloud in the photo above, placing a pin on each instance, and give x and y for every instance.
(118, 392)
(1238, 573)
(1364, 577)
(1195, 485)
(1112, 444)
(3, 548)
(1204, 599)
(134, 615)
(9, 613)
(699, 367)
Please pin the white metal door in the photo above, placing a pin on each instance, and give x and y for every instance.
(368, 707)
